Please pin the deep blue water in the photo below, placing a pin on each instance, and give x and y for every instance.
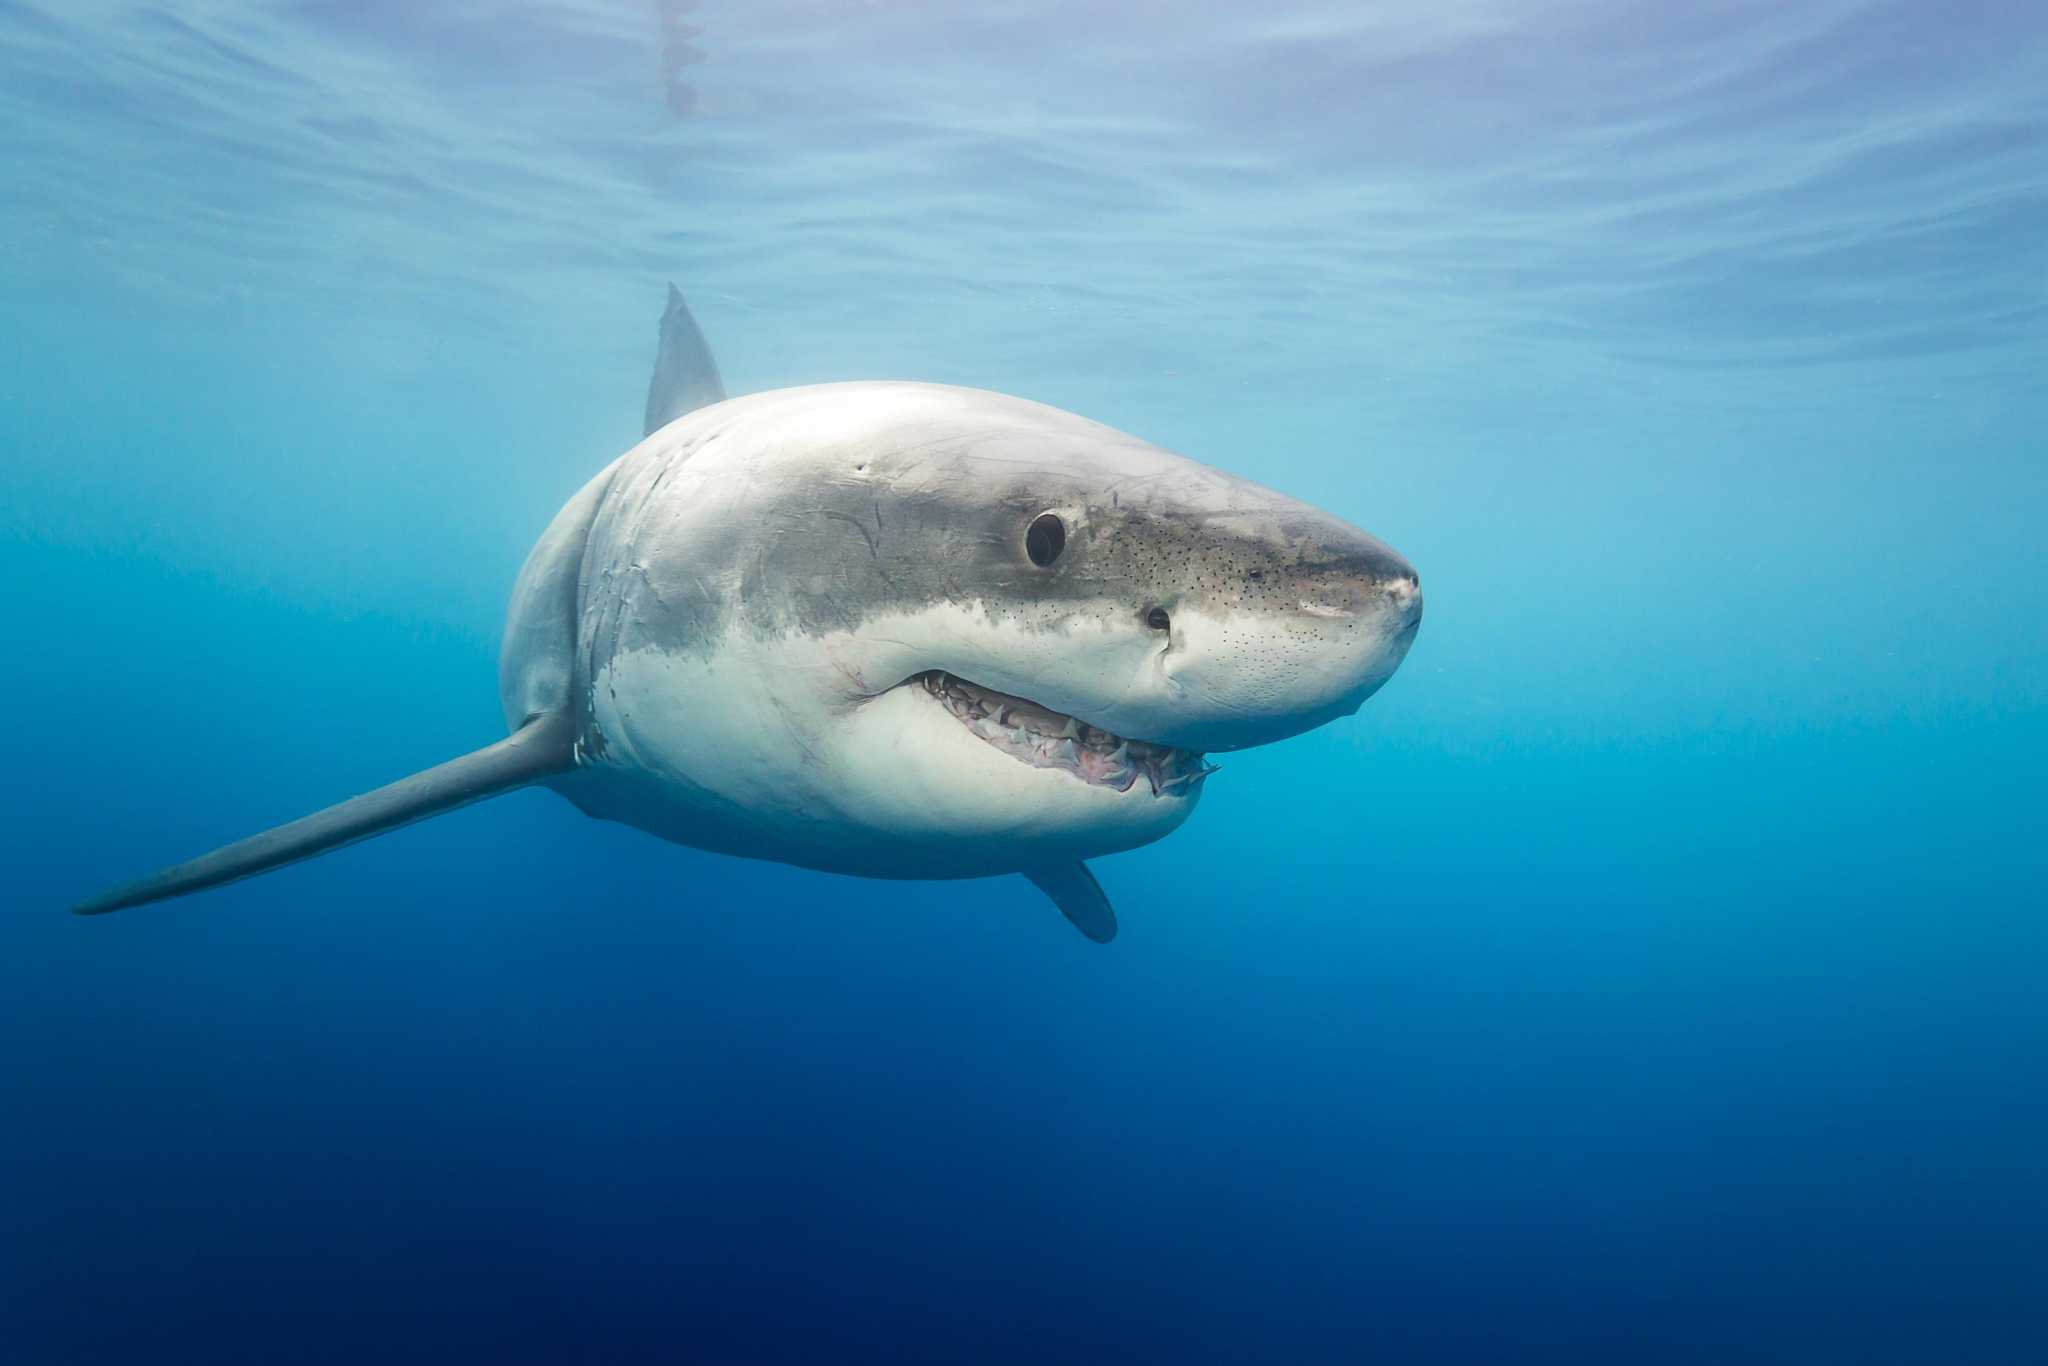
(1653, 972)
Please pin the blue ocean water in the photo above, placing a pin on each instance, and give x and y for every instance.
(1652, 972)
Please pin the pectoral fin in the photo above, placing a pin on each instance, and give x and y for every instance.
(1079, 896)
(544, 746)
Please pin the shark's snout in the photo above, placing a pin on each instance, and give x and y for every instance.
(1308, 633)
(1385, 583)
(1403, 592)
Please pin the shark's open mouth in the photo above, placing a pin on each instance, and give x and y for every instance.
(1046, 739)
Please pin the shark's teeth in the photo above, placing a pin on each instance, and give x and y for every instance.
(1189, 781)
(1045, 738)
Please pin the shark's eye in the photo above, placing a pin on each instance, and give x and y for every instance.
(1157, 619)
(1044, 539)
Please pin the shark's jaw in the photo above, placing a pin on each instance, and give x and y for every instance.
(1043, 738)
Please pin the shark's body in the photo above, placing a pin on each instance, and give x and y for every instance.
(899, 630)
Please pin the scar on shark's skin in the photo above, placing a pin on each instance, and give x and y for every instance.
(1005, 644)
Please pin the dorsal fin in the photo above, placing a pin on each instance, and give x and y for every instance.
(543, 747)
(685, 376)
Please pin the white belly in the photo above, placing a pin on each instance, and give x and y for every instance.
(778, 750)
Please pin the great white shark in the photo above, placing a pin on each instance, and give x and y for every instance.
(897, 630)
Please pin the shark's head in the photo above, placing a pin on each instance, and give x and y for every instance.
(976, 623)
(1188, 608)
